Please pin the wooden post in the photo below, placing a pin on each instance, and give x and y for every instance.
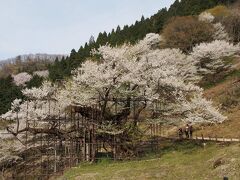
(160, 129)
(84, 144)
(153, 126)
(55, 155)
(90, 143)
(87, 152)
(114, 148)
(151, 129)
(156, 129)
(94, 145)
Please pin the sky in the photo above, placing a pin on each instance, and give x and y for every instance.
(57, 26)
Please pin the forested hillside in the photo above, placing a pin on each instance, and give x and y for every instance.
(27, 63)
(131, 34)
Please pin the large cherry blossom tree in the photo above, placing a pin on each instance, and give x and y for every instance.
(142, 73)
(139, 78)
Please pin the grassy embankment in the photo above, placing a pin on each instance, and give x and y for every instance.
(183, 160)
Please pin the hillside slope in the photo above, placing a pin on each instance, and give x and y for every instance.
(227, 94)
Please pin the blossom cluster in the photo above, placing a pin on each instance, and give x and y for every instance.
(220, 33)
(22, 78)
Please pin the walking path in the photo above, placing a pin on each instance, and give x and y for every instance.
(157, 130)
(216, 139)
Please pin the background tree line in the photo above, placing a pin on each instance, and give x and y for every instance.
(131, 34)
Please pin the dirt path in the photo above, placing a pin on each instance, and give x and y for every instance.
(215, 139)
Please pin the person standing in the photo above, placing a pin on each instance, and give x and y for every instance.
(187, 131)
(191, 131)
(180, 133)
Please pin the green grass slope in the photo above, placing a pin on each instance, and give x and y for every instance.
(183, 160)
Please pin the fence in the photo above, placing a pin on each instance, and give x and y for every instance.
(66, 140)
(63, 140)
(71, 138)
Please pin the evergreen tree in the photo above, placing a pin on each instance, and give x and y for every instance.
(91, 40)
(36, 81)
(8, 92)
(132, 33)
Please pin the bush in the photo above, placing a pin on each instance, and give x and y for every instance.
(231, 98)
(219, 11)
(232, 25)
(186, 32)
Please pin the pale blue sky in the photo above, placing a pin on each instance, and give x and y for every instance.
(57, 26)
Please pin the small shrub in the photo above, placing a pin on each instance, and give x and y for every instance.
(218, 163)
(104, 161)
(231, 98)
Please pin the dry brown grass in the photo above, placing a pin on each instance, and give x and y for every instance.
(223, 96)
(219, 94)
(228, 129)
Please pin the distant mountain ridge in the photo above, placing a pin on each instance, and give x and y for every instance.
(33, 57)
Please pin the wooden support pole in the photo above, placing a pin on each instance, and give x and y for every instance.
(114, 147)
